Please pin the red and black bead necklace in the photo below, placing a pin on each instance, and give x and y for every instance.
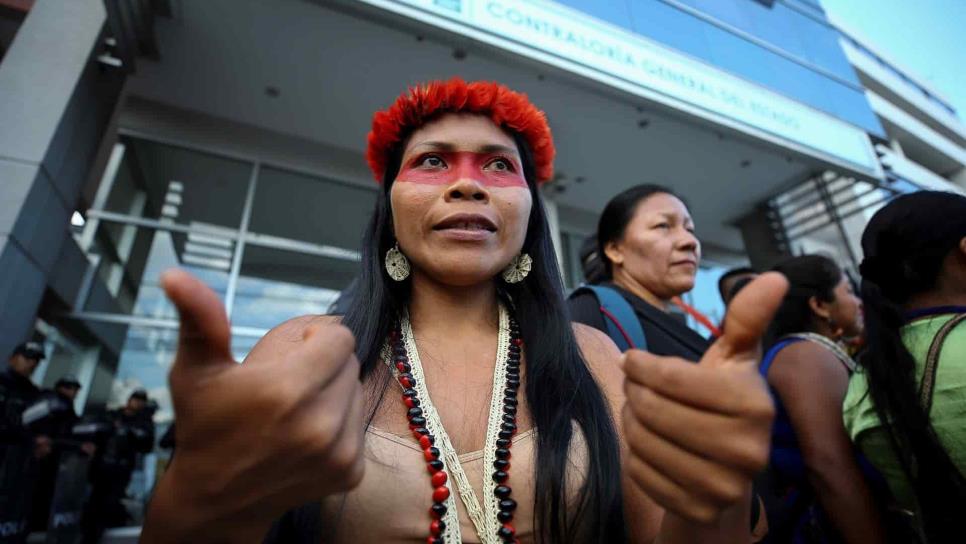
(427, 441)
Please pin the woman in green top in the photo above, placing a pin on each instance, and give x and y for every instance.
(913, 283)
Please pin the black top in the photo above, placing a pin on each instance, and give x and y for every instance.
(133, 434)
(666, 335)
(61, 417)
(17, 393)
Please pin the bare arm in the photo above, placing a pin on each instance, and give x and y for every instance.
(642, 515)
(812, 383)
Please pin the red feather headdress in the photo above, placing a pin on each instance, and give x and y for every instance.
(507, 109)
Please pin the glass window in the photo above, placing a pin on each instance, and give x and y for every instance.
(821, 47)
(737, 13)
(779, 25)
(144, 361)
(743, 58)
(670, 26)
(310, 209)
(131, 260)
(276, 285)
(614, 12)
(180, 185)
(853, 106)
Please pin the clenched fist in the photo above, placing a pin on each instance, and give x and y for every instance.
(254, 439)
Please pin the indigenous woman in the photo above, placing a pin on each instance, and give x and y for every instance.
(645, 238)
(906, 409)
(481, 415)
(821, 494)
(650, 256)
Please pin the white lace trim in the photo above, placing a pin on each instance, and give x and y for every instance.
(493, 422)
(484, 517)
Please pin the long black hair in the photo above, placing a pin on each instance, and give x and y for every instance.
(560, 388)
(904, 246)
(619, 212)
(808, 276)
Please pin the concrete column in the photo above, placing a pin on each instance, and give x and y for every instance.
(553, 218)
(762, 243)
(55, 102)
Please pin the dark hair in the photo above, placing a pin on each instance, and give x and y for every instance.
(590, 261)
(618, 214)
(905, 244)
(808, 276)
(730, 273)
(560, 388)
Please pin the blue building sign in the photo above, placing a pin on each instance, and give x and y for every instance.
(571, 40)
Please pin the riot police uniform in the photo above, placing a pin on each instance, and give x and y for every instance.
(111, 470)
(17, 452)
(52, 415)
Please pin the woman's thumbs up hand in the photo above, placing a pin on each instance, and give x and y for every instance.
(698, 433)
(258, 438)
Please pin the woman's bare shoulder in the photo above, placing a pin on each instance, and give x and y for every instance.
(289, 334)
(602, 357)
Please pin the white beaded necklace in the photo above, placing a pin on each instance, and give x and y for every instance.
(484, 517)
(836, 349)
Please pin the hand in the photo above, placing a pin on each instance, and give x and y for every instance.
(88, 448)
(254, 439)
(42, 446)
(698, 433)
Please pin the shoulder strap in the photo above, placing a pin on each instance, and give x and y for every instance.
(623, 326)
(772, 352)
(932, 362)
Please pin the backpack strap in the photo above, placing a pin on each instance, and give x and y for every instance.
(932, 362)
(770, 355)
(623, 326)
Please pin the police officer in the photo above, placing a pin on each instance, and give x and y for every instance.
(19, 448)
(111, 471)
(55, 417)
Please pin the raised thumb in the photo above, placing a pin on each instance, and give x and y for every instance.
(748, 318)
(204, 334)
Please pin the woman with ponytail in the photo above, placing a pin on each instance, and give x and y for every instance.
(816, 491)
(906, 409)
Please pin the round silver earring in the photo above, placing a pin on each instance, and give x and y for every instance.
(397, 265)
(518, 268)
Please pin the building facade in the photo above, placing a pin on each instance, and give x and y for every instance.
(227, 137)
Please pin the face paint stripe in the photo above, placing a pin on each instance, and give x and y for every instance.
(461, 165)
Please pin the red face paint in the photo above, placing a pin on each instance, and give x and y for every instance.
(446, 167)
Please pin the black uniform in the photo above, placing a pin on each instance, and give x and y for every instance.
(17, 462)
(57, 425)
(111, 471)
